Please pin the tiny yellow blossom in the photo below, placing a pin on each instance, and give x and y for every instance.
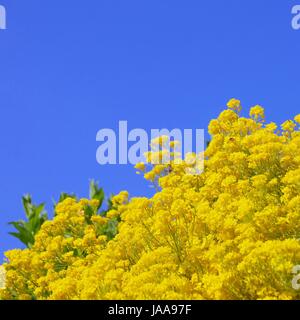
(140, 166)
(234, 104)
(257, 112)
(297, 118)
(288, 125)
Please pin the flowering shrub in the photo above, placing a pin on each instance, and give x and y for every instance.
(230, 233)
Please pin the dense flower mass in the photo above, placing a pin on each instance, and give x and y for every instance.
(230, 233)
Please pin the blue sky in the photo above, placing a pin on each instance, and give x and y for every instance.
(69, 68)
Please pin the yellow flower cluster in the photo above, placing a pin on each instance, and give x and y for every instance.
(230, 233)
(65, 245)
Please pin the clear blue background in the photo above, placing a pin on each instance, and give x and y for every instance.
(69, 68)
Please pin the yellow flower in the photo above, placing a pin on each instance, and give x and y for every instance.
(140, 166)
(288, 125)
(150, 176)
(257, 112)
(234, 104)
(112, 214)
(297, 118)
(99, 220)
(271, 126)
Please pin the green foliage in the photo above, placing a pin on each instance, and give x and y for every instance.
(110, 229)
(96, 193)
(36, 216)
(109, 206)
(88, 213)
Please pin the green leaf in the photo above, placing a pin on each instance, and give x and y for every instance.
(109, 206)
(36, 216)
(88, 213)
(96, 193)
(110, 229)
